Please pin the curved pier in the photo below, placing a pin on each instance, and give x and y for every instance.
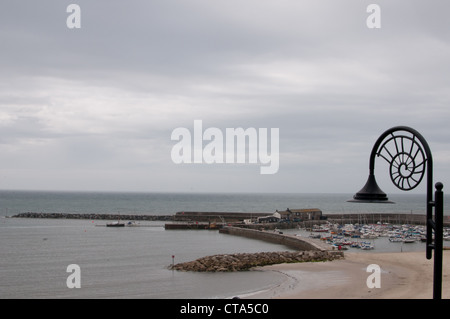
(296, 242)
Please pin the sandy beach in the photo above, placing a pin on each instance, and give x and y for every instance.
(405, 275)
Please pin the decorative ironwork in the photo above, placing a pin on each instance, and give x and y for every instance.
(406, 158)
(409, 156)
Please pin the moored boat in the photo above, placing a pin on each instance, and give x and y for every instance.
(115, 224)
(132, 224)
(408, 240)
(367, 246)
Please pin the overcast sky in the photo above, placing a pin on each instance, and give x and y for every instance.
(94, 108)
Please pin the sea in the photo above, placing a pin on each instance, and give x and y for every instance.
(36, 255)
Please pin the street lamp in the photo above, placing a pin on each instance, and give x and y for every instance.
(409, 156)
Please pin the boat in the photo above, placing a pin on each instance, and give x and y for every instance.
(369, 236)
(355, 245)
(340, 247)
(407, 240)
(132, 224)
(276, 230)
(367, 246)
(320, 229)
(115, 224)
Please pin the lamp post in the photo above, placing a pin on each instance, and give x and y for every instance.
(409, 156)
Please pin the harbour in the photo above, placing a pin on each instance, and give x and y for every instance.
(122, 262)
(340, 231)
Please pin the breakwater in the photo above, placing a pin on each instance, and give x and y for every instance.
(246, 261)
(235, 217)
(218, 216)
(308, 250)
(95, 216)
(296, 242)
(374, 218)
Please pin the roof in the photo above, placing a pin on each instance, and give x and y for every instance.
(305, 210)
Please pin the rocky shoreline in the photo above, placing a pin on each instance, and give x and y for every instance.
(246, 261)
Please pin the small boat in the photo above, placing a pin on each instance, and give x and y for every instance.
(132, 224)
(367, 246)
(339, 247)
(276, 230)
(407, 240)
(369, 236)
(115, 224)
(355, 245)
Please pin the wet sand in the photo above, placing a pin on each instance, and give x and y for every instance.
(405, 275)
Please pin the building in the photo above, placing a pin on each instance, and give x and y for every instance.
(301, 214)
(275, 218)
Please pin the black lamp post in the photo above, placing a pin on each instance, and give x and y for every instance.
(409, 155)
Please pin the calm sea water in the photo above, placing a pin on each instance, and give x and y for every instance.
(132, 262)
(13, 202)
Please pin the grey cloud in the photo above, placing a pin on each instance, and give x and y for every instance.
(112, 91)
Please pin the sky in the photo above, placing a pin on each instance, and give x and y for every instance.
(93, 108)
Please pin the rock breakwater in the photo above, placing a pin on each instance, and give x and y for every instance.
(246, 261)
(94, 216)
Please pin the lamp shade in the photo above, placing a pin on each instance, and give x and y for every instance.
(371, 193)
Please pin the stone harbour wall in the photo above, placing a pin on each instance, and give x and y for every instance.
(292, 241)
(246, 261)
